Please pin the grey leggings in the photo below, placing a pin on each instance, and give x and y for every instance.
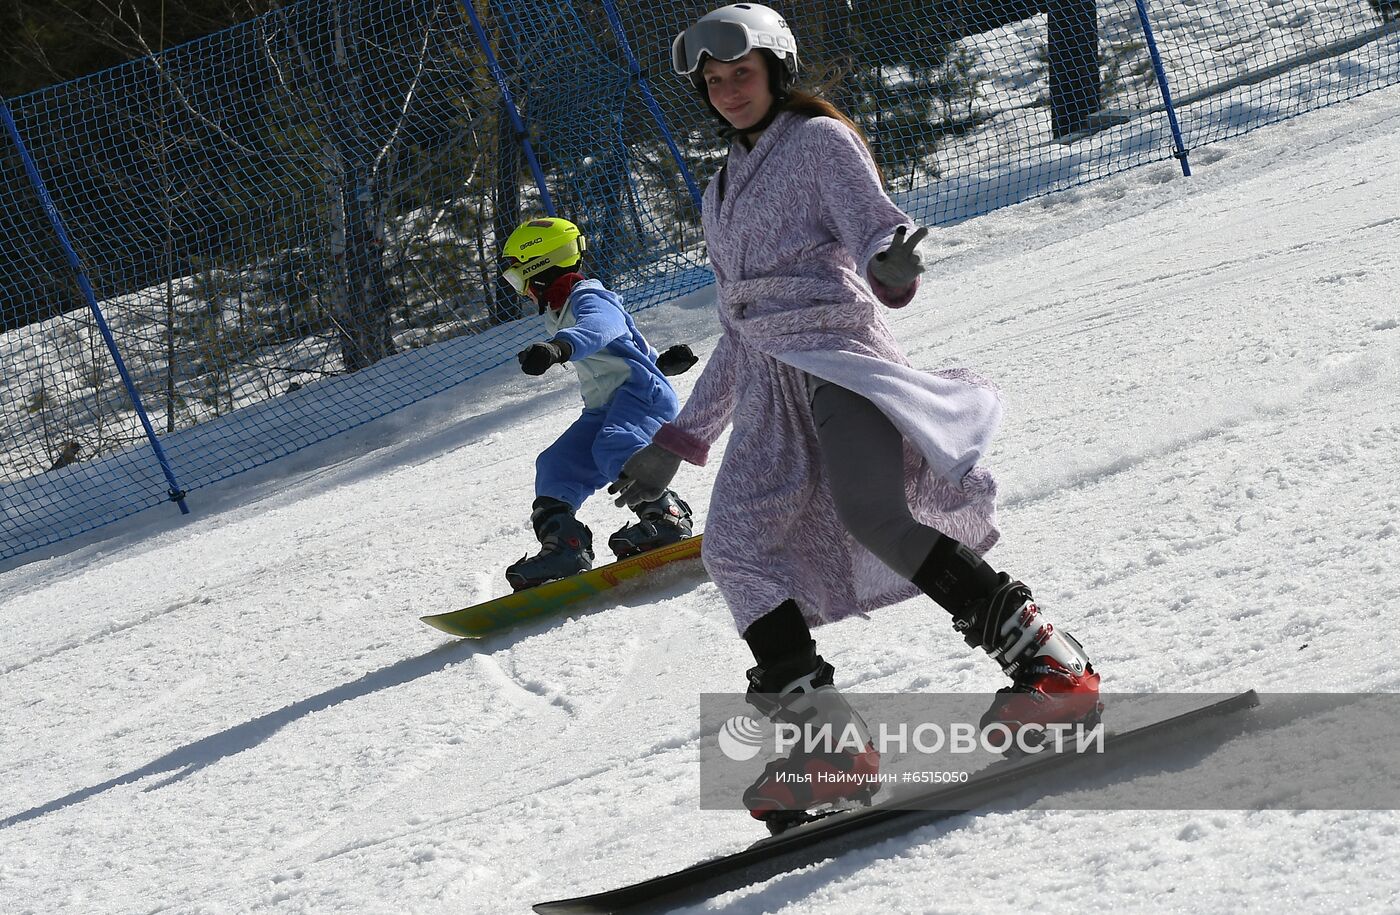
(864, 458)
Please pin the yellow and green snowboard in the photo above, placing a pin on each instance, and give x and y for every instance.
(552, 597)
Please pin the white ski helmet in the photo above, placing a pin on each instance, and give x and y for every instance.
(729, 33)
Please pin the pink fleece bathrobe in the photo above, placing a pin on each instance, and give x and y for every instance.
(803, 213)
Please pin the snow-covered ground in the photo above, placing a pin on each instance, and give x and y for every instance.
(240, 712)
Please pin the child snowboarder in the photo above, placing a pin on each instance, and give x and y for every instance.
(626, 398)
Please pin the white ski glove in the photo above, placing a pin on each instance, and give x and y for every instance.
(645, 476)
(899, 264)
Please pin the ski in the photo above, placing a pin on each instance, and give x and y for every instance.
(829, 836)
(552, 597)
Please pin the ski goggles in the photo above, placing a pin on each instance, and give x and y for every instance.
(518, 273)
(722, 40)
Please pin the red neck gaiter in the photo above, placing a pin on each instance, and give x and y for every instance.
(558, 291)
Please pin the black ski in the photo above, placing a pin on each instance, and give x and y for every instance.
(826, 837)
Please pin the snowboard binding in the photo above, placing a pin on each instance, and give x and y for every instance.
(661, 522)
(566, 546)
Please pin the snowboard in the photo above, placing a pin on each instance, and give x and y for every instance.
(829, 836)
(553, 597)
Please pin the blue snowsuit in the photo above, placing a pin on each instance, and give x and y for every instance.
(625, 396)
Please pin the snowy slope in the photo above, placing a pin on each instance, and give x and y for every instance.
(240, 712)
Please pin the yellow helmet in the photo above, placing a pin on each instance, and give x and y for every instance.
(537, 245)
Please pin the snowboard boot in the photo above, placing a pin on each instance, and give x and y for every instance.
(1052, 681)
(663, 521)
(566, 546)
(841, 766)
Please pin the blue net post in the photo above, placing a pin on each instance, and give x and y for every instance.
(635, 69)
(1181, 152)
(517, 124)
(177, 495)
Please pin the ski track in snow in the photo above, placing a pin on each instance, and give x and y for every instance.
(239, 712)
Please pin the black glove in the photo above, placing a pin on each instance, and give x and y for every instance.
(677, 360)
(536, 358)
(645, 476)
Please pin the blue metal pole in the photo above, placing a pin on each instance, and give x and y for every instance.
(635, 69)
(1181, 153)
(176, 494)
(517, 124)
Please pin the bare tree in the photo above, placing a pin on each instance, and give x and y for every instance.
(321, 64)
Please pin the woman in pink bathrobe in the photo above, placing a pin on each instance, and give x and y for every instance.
(850, 480)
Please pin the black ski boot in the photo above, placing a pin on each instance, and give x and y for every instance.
(566, 546)
(1052, 681)
(663, 522)
(807, 783)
